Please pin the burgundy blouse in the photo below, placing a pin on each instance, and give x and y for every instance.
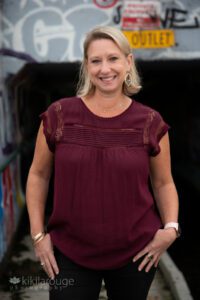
(103, 212)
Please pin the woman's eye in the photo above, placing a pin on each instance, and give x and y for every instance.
(113, 58)
(95, 61)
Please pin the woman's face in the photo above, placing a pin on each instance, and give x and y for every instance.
(107, 65)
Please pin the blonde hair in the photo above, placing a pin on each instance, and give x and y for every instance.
(85, 86)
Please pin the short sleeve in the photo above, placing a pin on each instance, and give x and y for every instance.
(158, 128)
(49, 119)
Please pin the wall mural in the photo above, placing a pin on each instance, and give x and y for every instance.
(53, 30)
(36, 27)
(11, 203)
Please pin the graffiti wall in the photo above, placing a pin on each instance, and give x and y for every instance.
(53, 30)
(11, 202)
(163, 29)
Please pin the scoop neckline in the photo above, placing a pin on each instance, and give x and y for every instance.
(105, 118)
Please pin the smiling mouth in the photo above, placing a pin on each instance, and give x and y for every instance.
(107, 78)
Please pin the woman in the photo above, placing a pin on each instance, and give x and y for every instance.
(104, 147)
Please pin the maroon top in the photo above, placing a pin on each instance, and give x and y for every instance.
(103, 210)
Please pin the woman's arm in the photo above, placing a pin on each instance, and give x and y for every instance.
(36, 194)
(167, 201)
(162, 183)
(38, 183)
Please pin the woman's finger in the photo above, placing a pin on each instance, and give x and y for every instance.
(142, 252)
(152, 259)
(48, 268)
(53, 263)
(145, 261)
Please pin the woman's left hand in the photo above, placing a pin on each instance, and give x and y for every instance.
(152, 252)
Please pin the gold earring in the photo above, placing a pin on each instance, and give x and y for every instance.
(128, 79)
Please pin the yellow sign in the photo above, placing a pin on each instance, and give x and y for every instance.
(151, 38)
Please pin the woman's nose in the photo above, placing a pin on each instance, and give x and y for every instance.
(105, 67)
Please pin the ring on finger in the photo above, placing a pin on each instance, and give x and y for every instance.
(150, 256)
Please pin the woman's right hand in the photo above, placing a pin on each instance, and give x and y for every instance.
(44, 253)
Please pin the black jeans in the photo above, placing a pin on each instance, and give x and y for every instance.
(75, 282)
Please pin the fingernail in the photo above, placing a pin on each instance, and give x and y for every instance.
(134, 260)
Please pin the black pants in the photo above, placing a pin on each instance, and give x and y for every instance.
(75, 282)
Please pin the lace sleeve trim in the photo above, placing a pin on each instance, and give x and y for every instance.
(60, 124)
(159, 130)
(146, 134)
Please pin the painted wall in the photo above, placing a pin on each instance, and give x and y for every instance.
(11, 202)
(53, 30)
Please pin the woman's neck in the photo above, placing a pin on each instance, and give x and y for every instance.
(107, 105)
(107, 101)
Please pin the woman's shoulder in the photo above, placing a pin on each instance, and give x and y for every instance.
(64, 102)
(146, 114)
(143, 108)
(64, 105)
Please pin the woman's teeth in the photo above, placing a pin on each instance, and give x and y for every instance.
(107, 78)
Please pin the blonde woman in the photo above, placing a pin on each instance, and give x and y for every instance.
(104, 146)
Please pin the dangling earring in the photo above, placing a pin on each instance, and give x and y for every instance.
(128, 79)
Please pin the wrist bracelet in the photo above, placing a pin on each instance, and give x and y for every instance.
(36, 237)
(39, 238)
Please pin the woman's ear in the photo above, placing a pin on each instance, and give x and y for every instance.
(130, 59)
